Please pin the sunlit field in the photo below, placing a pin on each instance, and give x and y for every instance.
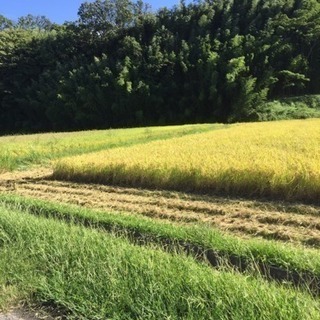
(149, 243)
(19, 151)
(273, 159)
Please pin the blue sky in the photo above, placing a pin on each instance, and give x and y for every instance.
(57, 10)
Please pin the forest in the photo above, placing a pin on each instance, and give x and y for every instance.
(122, 65)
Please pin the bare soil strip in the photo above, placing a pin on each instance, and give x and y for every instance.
(21, 314)
(296, 223)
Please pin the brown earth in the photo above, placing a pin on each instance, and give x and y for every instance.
(21, 314)
(297, 223)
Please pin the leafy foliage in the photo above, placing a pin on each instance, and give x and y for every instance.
(121, 65)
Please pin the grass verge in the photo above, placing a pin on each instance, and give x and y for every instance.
(274, 260)
(91, 275)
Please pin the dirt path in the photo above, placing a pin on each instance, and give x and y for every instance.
(16, 315)
(20, 314)
(286, 222)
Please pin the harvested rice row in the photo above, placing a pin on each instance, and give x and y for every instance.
(298, 224)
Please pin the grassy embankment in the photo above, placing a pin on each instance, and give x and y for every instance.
(275, 159)
(20, 151)
(264, 257)
(87, 274)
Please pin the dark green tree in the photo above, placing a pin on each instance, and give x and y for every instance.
(32, 22)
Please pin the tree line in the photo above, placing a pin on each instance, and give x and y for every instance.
(120, 64)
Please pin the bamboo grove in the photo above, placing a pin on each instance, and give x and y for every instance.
(121, 64)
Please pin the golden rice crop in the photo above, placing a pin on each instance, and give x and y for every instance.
(19, 150)
(278, 159)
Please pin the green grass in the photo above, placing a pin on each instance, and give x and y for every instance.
(299, 107)
(88, 274)
(21, 151)
(252, 251)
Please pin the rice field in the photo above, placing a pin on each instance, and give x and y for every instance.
(22, 151)
(272, 159)
(148, 223)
